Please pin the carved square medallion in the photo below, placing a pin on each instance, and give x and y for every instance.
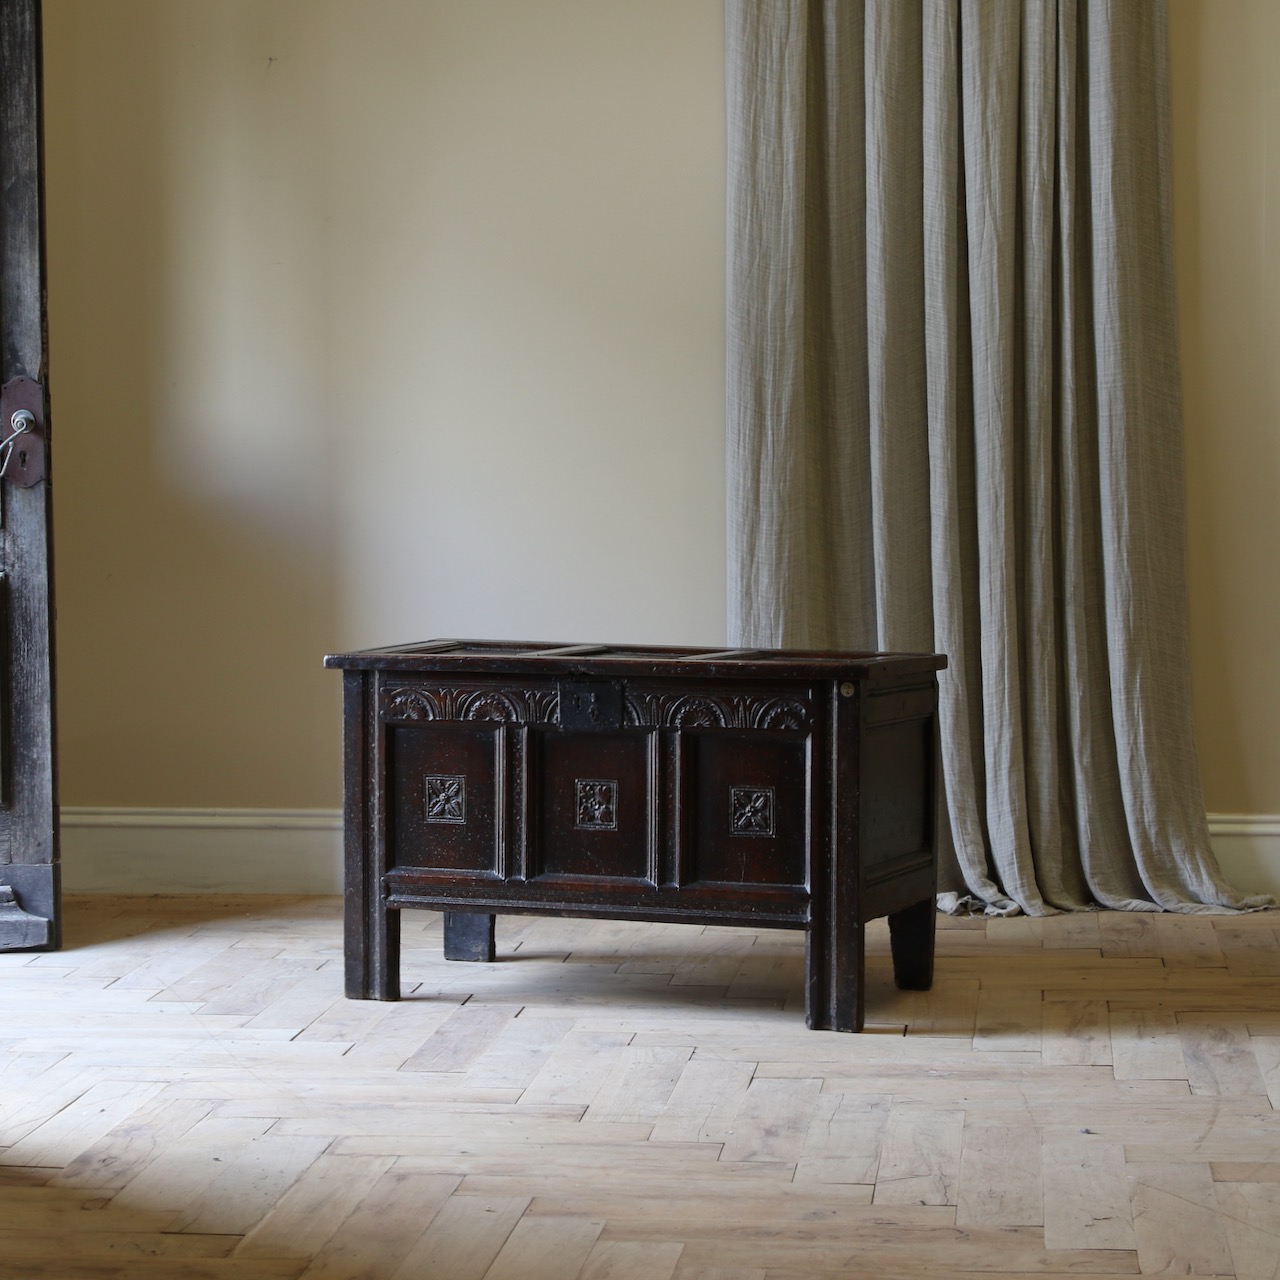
(597, 804)
(751, 811)
(446, 798)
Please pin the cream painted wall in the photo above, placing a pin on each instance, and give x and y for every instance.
(403, 318)
(369, 322)
(1226, 131)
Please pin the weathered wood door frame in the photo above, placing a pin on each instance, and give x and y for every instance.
(29, 871)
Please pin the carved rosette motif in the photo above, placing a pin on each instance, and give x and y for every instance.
(596, 804)
(446, 798)
(751, 811)
(716, 711)
(470, 703)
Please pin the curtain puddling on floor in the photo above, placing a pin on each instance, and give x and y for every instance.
(954, 418)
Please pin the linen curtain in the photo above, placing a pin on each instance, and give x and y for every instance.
(954, 418)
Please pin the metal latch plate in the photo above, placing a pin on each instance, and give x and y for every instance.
(22, 429)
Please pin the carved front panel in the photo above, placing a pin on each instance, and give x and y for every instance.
(750, 808)
(692, 783)
(444, 798)
(596, 805)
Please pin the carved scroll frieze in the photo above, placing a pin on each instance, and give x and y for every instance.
(716, 711)
(424, 702)
(412, 704)
(421, 702)
(493, 704)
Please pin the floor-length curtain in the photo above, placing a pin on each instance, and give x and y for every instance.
(954, 417)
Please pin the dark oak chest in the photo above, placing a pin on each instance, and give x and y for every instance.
(754, 787)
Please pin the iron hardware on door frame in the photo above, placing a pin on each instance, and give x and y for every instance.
(22, 423)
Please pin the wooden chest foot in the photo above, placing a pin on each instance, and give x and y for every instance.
(469, 935)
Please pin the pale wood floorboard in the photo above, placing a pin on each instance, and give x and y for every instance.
(186, 1095)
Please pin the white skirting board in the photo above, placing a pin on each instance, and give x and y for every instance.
(1248, 849)
(201, 850)
(300, 850)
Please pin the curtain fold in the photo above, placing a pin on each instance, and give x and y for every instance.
(954, 419)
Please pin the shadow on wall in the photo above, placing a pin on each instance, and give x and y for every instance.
(189, 355)
(369, 323)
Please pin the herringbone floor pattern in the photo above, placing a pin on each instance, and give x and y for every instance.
(185, 1096)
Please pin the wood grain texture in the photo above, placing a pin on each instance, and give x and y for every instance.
(1086, 1197)
(600, 1136)
(1000, 1181)
(1176, 1220)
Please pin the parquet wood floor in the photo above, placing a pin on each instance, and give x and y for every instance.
(184, 1095)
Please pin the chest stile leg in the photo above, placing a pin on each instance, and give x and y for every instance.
(912, 931)
(372, 932)
(834, 944)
